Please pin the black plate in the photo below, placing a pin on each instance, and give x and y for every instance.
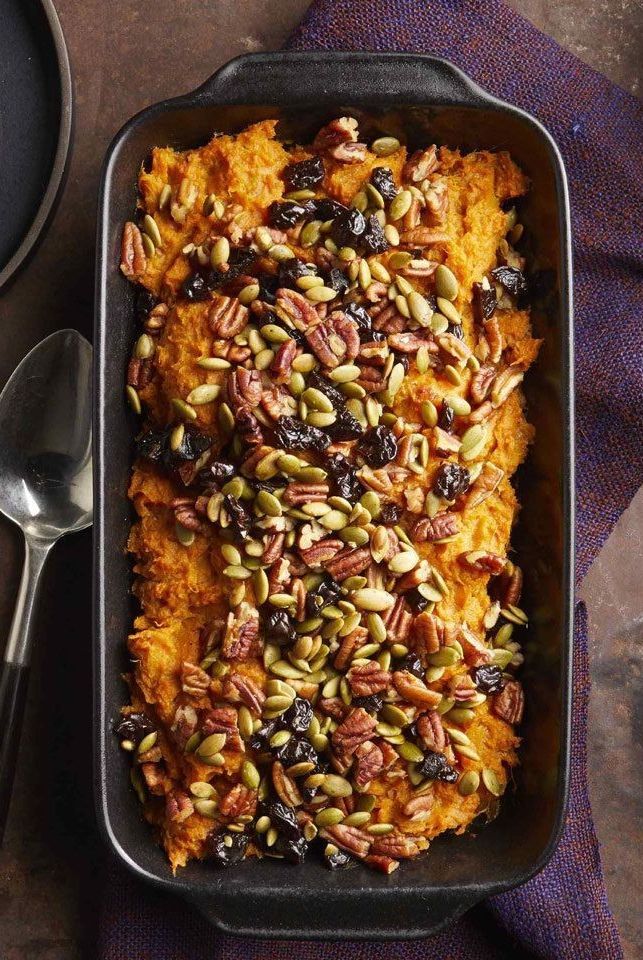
(35, 124)
(422, 99)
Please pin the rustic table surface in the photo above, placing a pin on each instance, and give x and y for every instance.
(126, 55)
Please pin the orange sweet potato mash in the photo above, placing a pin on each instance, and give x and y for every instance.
(328, 376)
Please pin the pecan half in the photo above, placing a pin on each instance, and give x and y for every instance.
(349, 647)
(321, 552)
(475, 652)
(244, 388)
(510, 703)
(481, 383)
(430, 529)
(426, 636)
(418, 808)
(340, 130)
(186, 515)
(241, 633)
(194, 681)
(431, 732)
(133, 259)
(352, 839)
(178, 806)
(348, 563)
(369, 763)
(227, 317)
(355, 729)
(493, 337)
(296, 493)
(420, 164)
(483, 561)
(281, 366)
(139, 372)
(410, 342)
(184, 725)
(334, 340)
(484, 485)
(453, 348)
(223, 720)
(397, 620)
(367, 678)
(378, 861)
(413, 690)
(240, 689)
(387, 318)
(285, 786)
(292, 306)
(398, 845)
(277, 403)
(437, 200)
(423, 237)
(505, 383)
(239, 802)
(444, 444)
(333, 707)
(274, 548)
(512, 588)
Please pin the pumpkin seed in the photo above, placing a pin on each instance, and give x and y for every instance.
(419, 307)
(461, 715)
(345, 373)
(202, 790)
(380, 829)
(452, 374)
(403, 562)
(376, 627)
(468, 783)
(164, 196)
(329, 817)
(147, 742)
(335, 786)
(447, 309)
(460, 406)
(439, 323)
(379, 271)
(374, 196)
(185, 537)
(371, 502)
(392, 235)
(248, 294)
(429, 413)
(310, 233)
(150, 227)
(360, 201)
(230, 553)
(213, 363)
(385, 146)
(400, 205)
(250, 775)
(211, 745)
(474, 450)
(133, 399)
(268, 503)
(446, 283)
(261, 587)
(204, 393)
(281, 668)
(237, 572)
(446, 657)
(409, 751)
(355, 535)
(466, 751)
(317, 400)
(492, 782)
(321, 294)
(207, 808)
(183, 409)
(220, 252)
(280, 739)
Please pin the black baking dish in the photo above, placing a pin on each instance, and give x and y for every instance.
(422, 99)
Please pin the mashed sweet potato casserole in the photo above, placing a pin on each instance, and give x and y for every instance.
(328, 376)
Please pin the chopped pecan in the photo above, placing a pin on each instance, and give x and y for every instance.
(430, 529)
(240, 689)
(413, 690)
(423, 237)
(444, 444)
(397, 620)
(155, 778)
(410, 342)
(293, 307)
(427, 635)
(420, 164)
(377, 480)
(285, 786)
(462, 687)
(299, 592)
(377, 861)
(227, 317)
(186, 515)
(475, 652)
(353, 730)
(241, 633)
(184, 725)
(238, 354)
(333, 707)
(483, 561)
(431, 732)
(296, 493)
(223, 720)
(278, 575)
(398, 845)
(334, 340)
(387, 318)
(278, 403)
(274, 548)
(453, 348)
(509, 704)
(239, 802)
(480, 414)
(349, 646)
(376, 352)
(194, 681)
(481, 383)
(422, 269)
(178, 806)
(436, 196)
(156, 318)
(369, 763)
(244, 388)
(340, 130)
(420, 574)
(348, 563)
(367, 678)
(348, 152)
(512, 589)
(484, 485)
(281, 366)
(418, 808)
(414, 497)
(493, 337)
(321, 552)
(133, 259)
(505, 383)
(139, 372)
(411, 218)
(352, 839)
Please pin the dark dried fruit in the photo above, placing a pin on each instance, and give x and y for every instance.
(278, 627)
(390, 513)
(319, 382)
(488, 678)
(225, 849)
(305, 174)
(336, 280)
(292, 850)
(346, 480)
(362, 318)
(373, 239)
(345, 427)
(338, 859)
(145, 302)
(292, 270)
(297, 750)
(282, 817)
(328, 591)
(378, 446)
(239, 261)
(154, 445)
(286, 214)
(412, 664)
(435, 767)
(415, 600)
(451, 480)
(294, 434)
(382, 180)
(298, 716)
(373, 703)
(195, 288)
(327, 209)
(260, 739)
(445, 420)
(134, 727)
(268, 286)
(218, 473)
(456, 330)
(240, 519)
(348, 228)
(512, 279)
(484, 302)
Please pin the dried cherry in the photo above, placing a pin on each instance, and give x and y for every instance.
(378, 446)
(488, 678)
(294, 434)
(226, 854)
(435, 766)
(451, 480)
(304, 174)
(382, 180)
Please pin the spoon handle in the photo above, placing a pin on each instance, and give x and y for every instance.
(15, 670)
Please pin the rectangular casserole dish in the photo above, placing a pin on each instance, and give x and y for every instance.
(425, 99)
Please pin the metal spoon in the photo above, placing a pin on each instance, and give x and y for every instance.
(46, 488)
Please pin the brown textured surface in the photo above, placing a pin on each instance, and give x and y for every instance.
(124, 57)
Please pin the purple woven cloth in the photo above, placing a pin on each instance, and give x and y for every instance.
(563, 912)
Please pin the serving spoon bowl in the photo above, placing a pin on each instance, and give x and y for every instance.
(46, 489)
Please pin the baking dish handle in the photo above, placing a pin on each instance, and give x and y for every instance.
(406, 913)
(263, 78)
